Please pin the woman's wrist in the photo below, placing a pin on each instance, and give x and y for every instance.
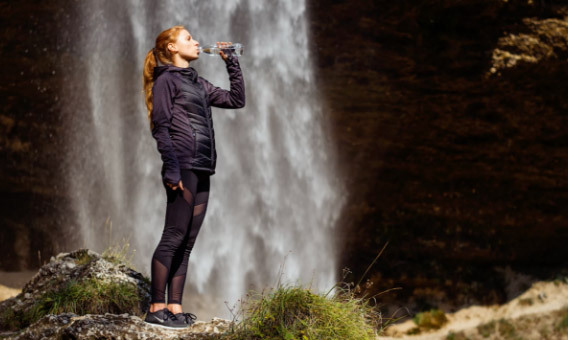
(231, 60)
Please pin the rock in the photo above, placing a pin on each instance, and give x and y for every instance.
(79, 266)
(112, 326)
(546, 39)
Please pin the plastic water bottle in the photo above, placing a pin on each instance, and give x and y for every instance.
(213, 50)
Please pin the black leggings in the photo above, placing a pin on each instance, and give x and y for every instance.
(185, 212)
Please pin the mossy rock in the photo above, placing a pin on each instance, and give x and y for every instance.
(81, 282)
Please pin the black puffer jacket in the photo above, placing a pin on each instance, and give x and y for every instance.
(181, 116)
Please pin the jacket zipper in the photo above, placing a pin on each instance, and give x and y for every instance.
(208, 118)
(194, 137)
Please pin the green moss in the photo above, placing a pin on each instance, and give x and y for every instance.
(296, 313)
(563, 325)
(544, 332)
(9, 320)
(432, 319)
(413, 331)
(83, 258)
(456, 336)
(526, 302)
(86, 297)
(506, 329)
(146, 279)
(486, 329)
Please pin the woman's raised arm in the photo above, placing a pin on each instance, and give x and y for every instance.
(233, 98)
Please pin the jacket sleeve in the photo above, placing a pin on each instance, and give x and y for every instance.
(235, 97)
(163, 91)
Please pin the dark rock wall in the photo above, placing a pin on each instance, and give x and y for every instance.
(32, 192)
(459, 169)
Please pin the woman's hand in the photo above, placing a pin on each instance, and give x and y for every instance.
(221, 45)
(174, 186)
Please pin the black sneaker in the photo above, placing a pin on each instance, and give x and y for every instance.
(165, 318)
(188, 318)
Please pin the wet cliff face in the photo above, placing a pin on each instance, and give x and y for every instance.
(32, 196)
(450, 121)
(460, 168)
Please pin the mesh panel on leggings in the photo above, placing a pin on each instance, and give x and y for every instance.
(199, 209)
(159, 275)
(175, 289)
(177, 280)
(187, 196)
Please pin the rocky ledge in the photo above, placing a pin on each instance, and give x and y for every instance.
(83, 295)
(113, 326)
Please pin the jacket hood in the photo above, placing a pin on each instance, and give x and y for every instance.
(186, 72)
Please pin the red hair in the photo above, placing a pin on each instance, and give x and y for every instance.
(161, 52)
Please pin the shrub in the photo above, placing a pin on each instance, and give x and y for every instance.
(297, 313)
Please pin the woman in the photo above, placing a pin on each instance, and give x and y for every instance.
(179, 109)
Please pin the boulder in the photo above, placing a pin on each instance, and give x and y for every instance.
(47, 289)
(113, 326)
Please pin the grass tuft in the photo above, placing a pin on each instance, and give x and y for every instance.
(295, 313)
(120, 254)
(90, 296)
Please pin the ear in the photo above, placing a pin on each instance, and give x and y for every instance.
(172, 47)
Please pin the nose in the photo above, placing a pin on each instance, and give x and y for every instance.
(196, 43)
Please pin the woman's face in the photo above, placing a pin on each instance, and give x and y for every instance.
(186, 46)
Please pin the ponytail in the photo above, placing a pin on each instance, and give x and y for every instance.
(148, 78)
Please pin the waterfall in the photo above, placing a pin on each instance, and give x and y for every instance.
(275, 197)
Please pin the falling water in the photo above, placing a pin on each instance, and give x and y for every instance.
(274, 199)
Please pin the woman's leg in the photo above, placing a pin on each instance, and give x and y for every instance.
(170, 250)
(177, 277)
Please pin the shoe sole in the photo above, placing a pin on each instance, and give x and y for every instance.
(163, 326)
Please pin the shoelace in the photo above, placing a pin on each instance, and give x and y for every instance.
(169, 315)
(189, 318)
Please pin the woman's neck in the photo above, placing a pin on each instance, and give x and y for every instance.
(179, 61)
